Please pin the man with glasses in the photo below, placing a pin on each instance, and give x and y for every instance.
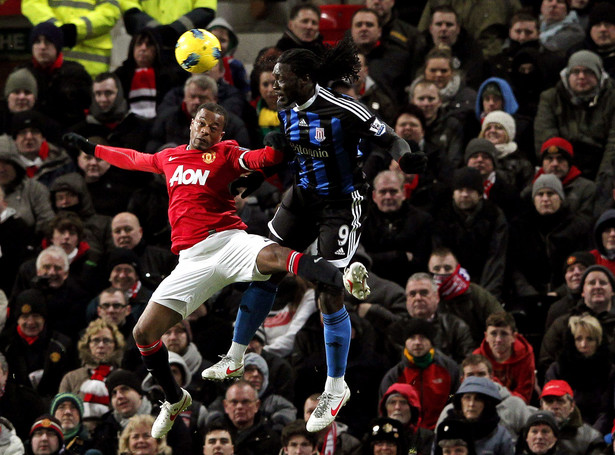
(254, 433)
(113, 308)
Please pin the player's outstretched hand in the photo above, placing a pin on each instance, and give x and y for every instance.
(413, 163)
(250, 182)
(79, 142)
(278, 141)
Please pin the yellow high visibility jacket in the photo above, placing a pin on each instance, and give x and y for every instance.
(180, 14)
(94, 20)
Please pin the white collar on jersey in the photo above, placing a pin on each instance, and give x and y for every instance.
(309, 102)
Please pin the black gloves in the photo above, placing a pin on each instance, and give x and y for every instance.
(69, 34)
(413, 163)
(278, 141)
(250, 182)
(79, 142)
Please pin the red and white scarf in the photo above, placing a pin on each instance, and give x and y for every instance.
(453, 285)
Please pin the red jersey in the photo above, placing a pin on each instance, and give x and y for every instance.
(197, 183)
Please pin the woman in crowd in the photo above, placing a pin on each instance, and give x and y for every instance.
(136, 439)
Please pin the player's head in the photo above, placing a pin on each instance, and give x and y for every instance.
(298, 70)
(207, 126)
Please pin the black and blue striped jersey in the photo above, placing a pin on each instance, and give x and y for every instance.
(325, 133)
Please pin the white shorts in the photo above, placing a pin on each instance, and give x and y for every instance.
(221, 259)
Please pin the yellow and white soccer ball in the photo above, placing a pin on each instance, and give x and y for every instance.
(197, 50)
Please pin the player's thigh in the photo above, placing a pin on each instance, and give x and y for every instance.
(223, 258)
(340, 226)
(294, 224)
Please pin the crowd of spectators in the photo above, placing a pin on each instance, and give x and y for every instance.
(490, 328)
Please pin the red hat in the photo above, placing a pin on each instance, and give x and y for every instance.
(557, 145)
(556, 388)
(48, 422)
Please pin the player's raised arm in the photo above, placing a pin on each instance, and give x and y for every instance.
(121, 157)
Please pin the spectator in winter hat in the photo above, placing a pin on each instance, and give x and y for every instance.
(601, 34)
(570, 292)
(540, 435)
(385, 434)
(68, 409)
(46, 437)
(420, 359)
(20, 92)
(474, 229)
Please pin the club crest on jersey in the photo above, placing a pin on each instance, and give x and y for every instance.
(319, 134)
(377, 127)
(209, 157)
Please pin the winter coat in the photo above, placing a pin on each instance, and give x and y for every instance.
(554, 339)
(607, 219)
(540, 245)
(589, 127)
(592, 380)
(389, 236)
(419, 440)
(513, 411)
(30, 199)
(577, 437)
(52, 353)
(64, 92)
(580, 192)
(21, 405)
(259, 439)
(15, 236)
(434, 384)
(452, 335)
(446, 132)
(478, 239)
(516, 373)
(473, 307)
(97, 228)
(561, 35)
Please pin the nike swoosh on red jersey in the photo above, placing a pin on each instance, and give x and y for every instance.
(229, 371)
(172, 417)
(336, 410)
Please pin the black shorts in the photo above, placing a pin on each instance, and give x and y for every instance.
(335, 223)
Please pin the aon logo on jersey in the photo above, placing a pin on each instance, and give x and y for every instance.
(188, 177)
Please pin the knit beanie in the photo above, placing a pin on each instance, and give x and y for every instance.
(48, 422)
(468, 177)
(557, 145)
(30, 301)
(416, 326)
(548, 181)
(504, 119)
(28, 119)
(66, 396)
(123, 377)
(598, 268)
(49, 31)
(386, 429)
(587, 59)
(479, 145)
(543, 417)
(119, 256)
(602, 12)
(580, 257)
(21, 79)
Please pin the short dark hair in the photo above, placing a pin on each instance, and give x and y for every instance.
(415, 111)
(218, 426)
(477, 359)
(524, 16)
(295, 10)
(442, 251)
(215, 108)
(367, 10)
(501, 319)
(65, 221)
(106, 75)
(297, 428)
(444, 9)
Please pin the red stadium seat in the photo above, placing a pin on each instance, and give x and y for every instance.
(335, 20)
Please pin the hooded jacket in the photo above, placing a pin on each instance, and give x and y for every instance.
(604, 257)
(516, 373)
(509, 102)
(419, 439)
(490, 437)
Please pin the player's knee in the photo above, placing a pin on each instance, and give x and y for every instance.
(139, 332)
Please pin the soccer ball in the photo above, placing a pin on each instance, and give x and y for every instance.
(197, 50)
